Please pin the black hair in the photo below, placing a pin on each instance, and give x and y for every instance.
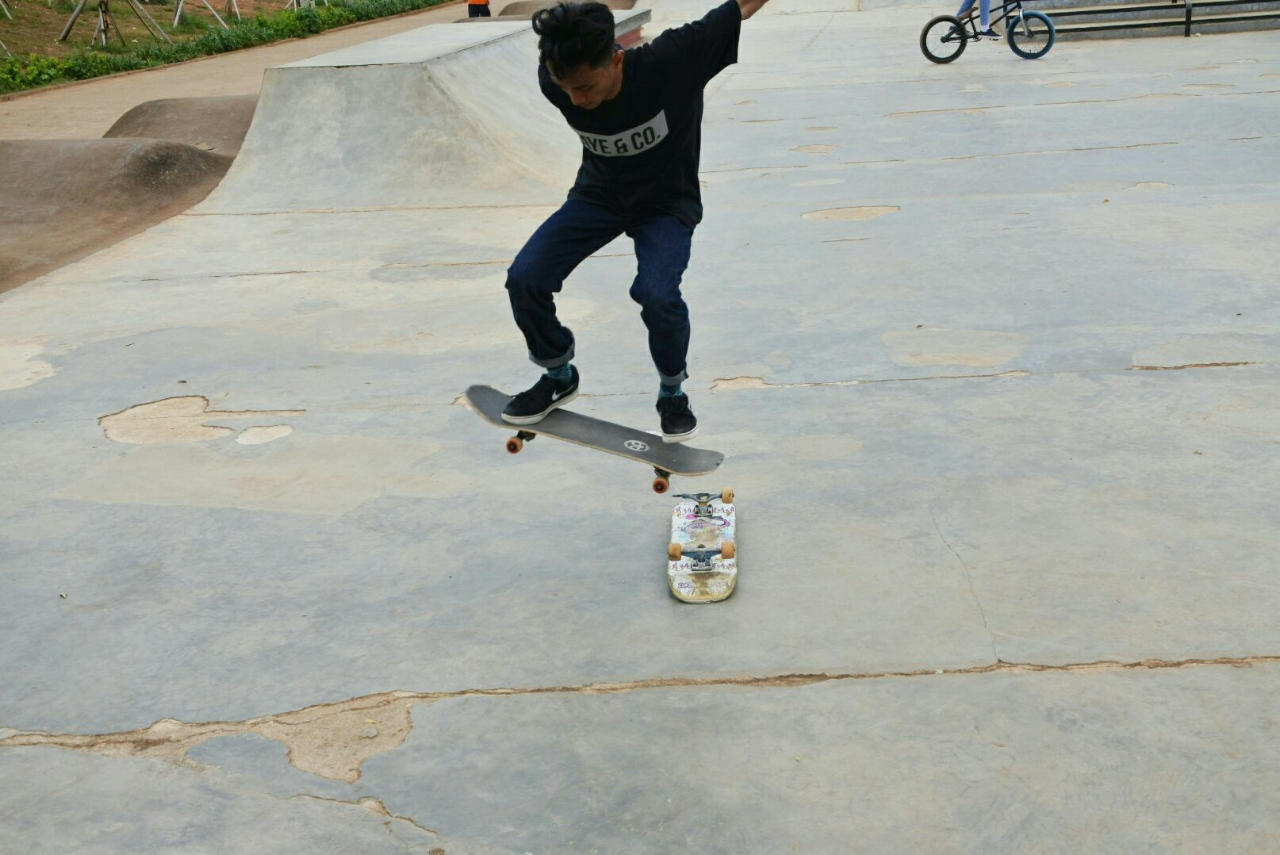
(574, 34)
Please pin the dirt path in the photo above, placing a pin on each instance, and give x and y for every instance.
(85, 110)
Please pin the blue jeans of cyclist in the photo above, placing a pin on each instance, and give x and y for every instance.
(984, 12)
(578, 229)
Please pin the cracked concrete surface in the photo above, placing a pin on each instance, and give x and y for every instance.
(865, 212)
(334, 740)
(374, 805)
(1005, 462)
(730, 383)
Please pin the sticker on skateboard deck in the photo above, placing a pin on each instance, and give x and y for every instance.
(667, 459)
(702, 557)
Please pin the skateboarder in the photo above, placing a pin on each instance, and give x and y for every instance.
(638, 113)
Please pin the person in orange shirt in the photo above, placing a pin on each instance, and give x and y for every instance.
(478, 9)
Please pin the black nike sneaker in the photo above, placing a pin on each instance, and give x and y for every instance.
(532, 405)
(678, 421)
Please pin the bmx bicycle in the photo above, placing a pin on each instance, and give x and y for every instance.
(1030, 34)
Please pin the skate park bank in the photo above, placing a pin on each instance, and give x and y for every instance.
(991, 351)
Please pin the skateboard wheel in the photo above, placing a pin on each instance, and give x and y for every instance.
(726, 495)
(727, 551)
(515, 444)
(675, 551)
(661, 485)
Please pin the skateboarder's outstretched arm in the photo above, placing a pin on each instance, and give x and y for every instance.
(750, 7)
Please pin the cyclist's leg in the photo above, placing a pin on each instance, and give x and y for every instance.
(984, 10)
(965, 7)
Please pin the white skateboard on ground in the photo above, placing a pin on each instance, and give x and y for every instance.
(702, 562)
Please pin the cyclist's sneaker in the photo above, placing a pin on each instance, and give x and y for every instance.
(532, 405)
(990, 33)
(678, 421)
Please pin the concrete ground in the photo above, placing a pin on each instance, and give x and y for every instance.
(992, 350)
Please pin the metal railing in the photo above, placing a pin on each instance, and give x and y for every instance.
(1187, 7)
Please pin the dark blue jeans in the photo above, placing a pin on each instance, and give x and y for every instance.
(560, 244)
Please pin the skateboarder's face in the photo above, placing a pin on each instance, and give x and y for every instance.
(590, 87)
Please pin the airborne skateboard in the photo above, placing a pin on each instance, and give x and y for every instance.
(667, 459)
(702, 558)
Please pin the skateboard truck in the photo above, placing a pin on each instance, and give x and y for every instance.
(662, 483)
(704, 499)
(702, 558)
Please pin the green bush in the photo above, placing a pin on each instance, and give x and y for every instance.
(31, 71)
(19, 72)
(85, 64)
(336, 16)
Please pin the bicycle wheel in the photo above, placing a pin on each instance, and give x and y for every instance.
(943, 39)
(1031, 35)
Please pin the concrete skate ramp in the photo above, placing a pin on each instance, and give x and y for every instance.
(669, 13)
(437, 117)
(217, 124)
(526, 8)
(63, 199)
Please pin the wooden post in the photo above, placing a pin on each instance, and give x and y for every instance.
(215, 14)
(177, 13)
(107, 21)
(148, 22)
(71, 22)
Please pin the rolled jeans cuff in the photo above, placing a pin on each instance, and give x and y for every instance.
(671, 381)
(565, 359)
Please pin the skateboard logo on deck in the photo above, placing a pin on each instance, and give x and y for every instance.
(636, 445)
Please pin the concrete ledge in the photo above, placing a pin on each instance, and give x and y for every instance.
(435, 41)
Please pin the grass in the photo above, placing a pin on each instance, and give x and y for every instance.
(39, 59)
